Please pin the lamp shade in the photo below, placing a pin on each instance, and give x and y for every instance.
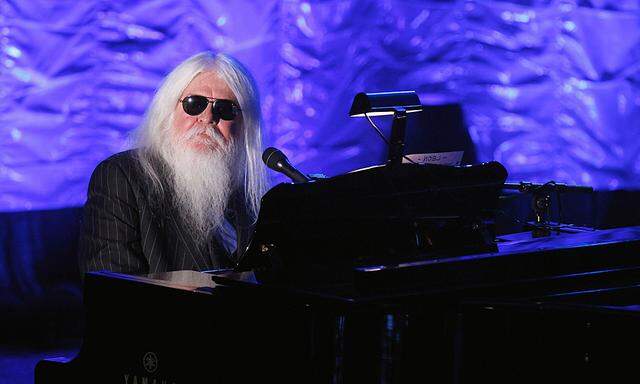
(384, 103)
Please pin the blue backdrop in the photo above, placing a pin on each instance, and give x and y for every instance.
(549, 88)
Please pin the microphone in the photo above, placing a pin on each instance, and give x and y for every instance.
(276, 160)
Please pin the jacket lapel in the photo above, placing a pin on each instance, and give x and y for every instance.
(188, 255)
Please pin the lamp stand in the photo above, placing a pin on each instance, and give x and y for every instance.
(396, 144)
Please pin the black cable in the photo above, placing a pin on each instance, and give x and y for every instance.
(377, 129)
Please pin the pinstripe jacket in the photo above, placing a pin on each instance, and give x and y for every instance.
(126, 229)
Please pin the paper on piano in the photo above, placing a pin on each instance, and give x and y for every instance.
(441, 158)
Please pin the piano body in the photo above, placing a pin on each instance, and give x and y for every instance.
(381, 275)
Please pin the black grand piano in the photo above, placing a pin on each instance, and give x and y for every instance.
(390, 274)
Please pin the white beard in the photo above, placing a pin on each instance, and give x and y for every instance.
(202, 180)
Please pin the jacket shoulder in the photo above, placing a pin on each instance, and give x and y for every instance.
(124, 163)
(125, 158)
(125, 168)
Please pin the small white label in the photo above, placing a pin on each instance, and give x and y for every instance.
(441, 158)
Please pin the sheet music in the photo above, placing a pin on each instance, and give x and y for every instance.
(441, 158)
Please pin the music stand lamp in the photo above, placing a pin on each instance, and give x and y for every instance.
(398, 104)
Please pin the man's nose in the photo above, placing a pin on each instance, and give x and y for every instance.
(207, 116)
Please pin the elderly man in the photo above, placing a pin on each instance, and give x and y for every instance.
(187, 196)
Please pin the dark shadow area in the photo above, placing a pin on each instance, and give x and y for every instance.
(40, 294)
(17, 362)
(439, 128)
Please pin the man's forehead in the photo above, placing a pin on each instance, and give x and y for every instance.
(208, 83)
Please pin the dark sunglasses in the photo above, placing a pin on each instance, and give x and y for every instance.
(221, 108)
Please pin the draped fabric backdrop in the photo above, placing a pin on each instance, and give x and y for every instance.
(549, 88)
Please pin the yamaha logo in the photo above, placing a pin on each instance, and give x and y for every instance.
(150, 362)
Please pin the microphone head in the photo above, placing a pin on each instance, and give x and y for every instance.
(276, 160)
(272, 156)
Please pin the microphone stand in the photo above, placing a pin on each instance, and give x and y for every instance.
(541, 203)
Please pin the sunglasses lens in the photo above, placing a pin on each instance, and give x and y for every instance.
(194, 105)
(224, 109)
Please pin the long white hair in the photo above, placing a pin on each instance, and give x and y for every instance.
(159, 118)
